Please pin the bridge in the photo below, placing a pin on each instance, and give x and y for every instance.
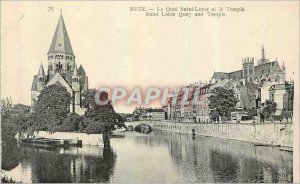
(134, 124)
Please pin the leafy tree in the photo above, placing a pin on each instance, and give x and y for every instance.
(222, 102)
(101, 117)
(52, 108)
(70, 124)
(88, 99)
(11, 154)
(269, 109)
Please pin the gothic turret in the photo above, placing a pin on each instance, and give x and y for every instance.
(248, 68)
(62, 69)
(41, 78)
(263, 59)
(76, 88)
(283, 66)
(60, 55)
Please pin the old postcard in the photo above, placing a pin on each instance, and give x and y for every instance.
(150, 91)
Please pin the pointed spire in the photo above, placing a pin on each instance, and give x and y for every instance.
(263, 52)
(75, 71)
(283, 66)
(60, 41)
(41, 70)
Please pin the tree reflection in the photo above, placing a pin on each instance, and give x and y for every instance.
(98, 169)
(10, 151)
(50, 166)
(224, 167)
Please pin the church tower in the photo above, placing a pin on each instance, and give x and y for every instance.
(62, 69)
(263, 59)
(41, 79)
(248, 68)
(60, 55)
(76, 89)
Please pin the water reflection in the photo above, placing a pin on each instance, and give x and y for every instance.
(219, 160)
(66, 165)
(156, 157)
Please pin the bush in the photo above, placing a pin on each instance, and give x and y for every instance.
(70, 124)
(93, 128)
(96, 127)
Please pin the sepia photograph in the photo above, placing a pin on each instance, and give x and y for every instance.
(149, 91)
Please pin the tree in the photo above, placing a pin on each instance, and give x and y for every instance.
(70, 124)
(88, 99)
(269, 109)
(52, 108)
(101, 117)
(222, 102)
(10, 151)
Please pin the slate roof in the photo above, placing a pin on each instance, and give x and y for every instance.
(81, 71)
(41, 70)
(258, 70)
(220, 75)
(61, 42)
(154, 110)
(34, 83)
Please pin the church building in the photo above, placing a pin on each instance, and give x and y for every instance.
(264, 71)
(265, 74)
(62, 69)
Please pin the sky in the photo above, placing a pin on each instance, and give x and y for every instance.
(119, 48)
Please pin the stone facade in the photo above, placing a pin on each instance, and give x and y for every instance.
(153, 115)
(252, 86)
(283, 96)
(62, 69)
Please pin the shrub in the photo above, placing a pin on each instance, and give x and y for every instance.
(70, 124)
(93, 128)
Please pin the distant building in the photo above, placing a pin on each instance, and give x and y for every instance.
(202, 109)
(13, 109)
(252, 86)
(153, 114)
(62, 69)
(264, 75)
(268, 71)
(283, 96)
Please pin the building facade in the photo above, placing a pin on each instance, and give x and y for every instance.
(62, 69)
(264, 71)
(257, 78)
(252, 86)
(150, 114)
(283, 96)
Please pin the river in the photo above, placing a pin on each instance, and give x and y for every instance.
(162, 157)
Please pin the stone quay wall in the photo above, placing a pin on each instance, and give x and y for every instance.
(264, 133)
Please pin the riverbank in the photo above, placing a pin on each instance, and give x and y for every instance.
(87, 139)
(273, 134)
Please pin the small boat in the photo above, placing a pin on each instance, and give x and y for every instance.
(45, 142)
